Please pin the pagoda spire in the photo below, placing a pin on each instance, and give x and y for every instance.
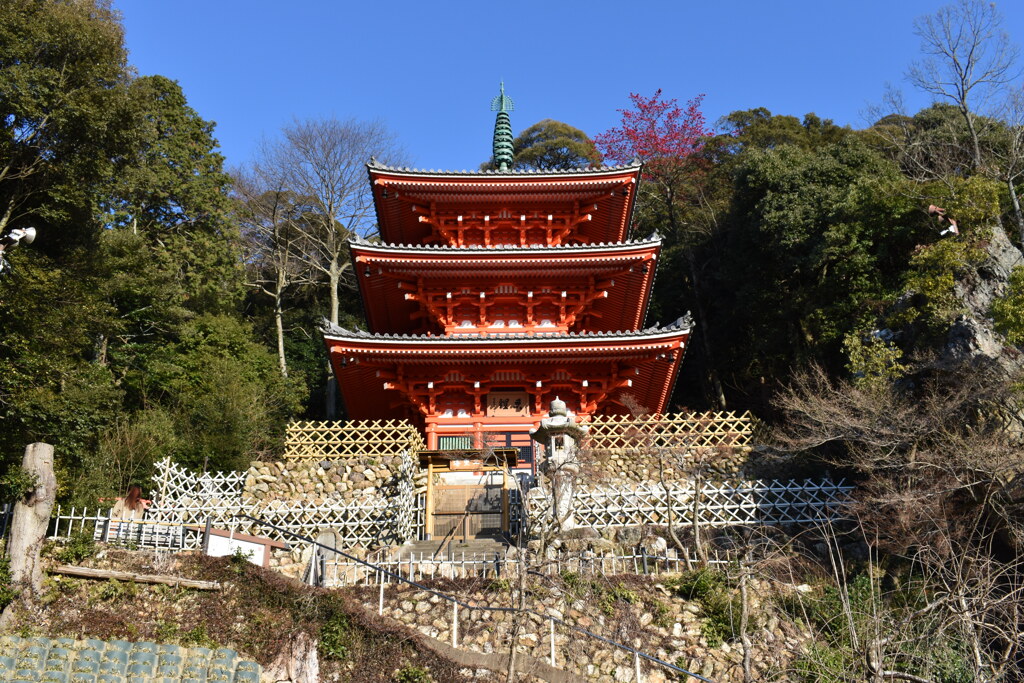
(502, 130)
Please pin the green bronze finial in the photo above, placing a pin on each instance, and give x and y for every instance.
(502, 130)
(502, 102)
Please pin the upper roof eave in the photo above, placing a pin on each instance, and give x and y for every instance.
(654, 240)
(375, 167)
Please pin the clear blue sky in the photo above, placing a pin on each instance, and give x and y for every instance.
(429, 69)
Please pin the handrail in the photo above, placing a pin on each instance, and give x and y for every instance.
(449, 598)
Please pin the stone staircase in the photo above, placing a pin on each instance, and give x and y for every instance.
(472, 549)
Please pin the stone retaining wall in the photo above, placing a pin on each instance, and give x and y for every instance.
(635, 611)
(623, 468)
(325, 481)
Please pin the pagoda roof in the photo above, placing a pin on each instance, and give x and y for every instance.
(402, 195)
(490, 342)
(364, 362)
(445, 251)
(623, 273)
(585, 170)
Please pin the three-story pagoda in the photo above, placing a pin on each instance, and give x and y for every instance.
(494, 292)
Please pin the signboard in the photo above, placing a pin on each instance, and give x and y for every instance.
(221, 546)
(508, 404)
(470, 465)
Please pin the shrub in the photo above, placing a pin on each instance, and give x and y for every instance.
(719, 605)
(78, 547)
(336, 637)
(413, 674)
(1008, 311)
(7, 591)
(16, 483)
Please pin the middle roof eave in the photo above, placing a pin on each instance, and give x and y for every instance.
(359, 244)
(677, 330)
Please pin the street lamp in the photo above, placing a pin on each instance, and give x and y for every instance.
(10, 241)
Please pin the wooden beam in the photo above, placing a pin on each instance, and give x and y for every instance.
(177, 581)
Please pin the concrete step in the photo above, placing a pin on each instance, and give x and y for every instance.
(474, 548)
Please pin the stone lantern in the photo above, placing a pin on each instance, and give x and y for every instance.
(561, 436)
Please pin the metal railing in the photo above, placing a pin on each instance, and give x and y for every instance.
(339, 573)
(457, 603)
(144, 533)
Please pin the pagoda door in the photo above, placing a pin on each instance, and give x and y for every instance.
(470, 510)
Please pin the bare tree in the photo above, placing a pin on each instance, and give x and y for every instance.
(968, 58)
(274, 241)
(1008, 152)
(941, 468)
(323, 163)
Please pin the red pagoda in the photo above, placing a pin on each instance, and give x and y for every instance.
(493, 292)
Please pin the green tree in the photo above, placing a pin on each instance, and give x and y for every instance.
(817, 241)
(66, 125)
(122, 338)
(65, 113)
(227, 395)
(551, 145)
(174, 192)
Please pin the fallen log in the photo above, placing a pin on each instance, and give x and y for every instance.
(176, 581)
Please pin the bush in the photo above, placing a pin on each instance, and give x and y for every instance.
(719, 605)
(336, 637)
(16, 484)
(7, 591)
(413, 674)
(78, 547)
(1008, 311)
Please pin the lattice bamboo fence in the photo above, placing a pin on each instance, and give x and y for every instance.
(327, 440)
(192, 499)
(717, 505)
(687, 432)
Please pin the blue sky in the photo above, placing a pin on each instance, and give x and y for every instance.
(429, 69)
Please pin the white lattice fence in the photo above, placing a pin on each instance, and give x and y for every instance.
(193, 499)
(179, 487)
(717, 505)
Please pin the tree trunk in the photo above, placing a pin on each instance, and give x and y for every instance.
(334, 281)
(698, 542)
(279, 324)
(976, 145)
(1016, 210)
(711, 374)
(745, 615)
(331, 389)
(29, 524)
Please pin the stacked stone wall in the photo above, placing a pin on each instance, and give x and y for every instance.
(320, 482)
(632, 610)
(632, 467)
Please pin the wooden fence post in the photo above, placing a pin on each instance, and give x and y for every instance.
(455, 624)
